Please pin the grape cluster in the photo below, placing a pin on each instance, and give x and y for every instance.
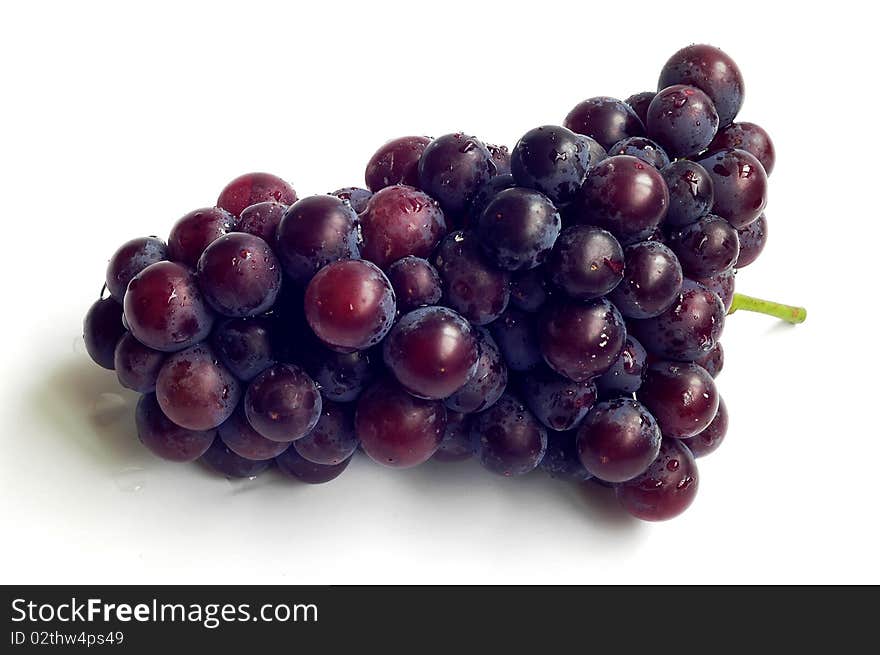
(556, 305)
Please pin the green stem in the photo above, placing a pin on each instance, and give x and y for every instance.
(751, 304)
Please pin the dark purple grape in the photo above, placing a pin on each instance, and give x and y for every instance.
(607, 120)
(397, 429)
(666, 489)
(681, 396)
(651, 282)
(642, 148)
(749, 137)
(131, 258)
(166, 439)
(165, 309)
(640, 102)
(314, 232)
(710, 70)
(688, 329)
(626, 374)
(251, 188)
(484, 195)
(283, 403)
(137, 366)
(561, 460)
(705, 248)
(261, 220)
(452, 169)
(342, 376)
(691, 192)
(226, 462)
(195, 390)
(581, 341)
(196, 231)
(244, 345)
(712, 361)
(350, 305)
(458, 443)
(296, 466)
(487, 382)
(432, 351)
(586, 262)
(709, 439)
(356, 197)
(551, 159)
(752, 239)
(501, 159)
(516, 334)
(416, 283)
(682, 119)
(740, 186)
(399, 221)
(239, 275)
(102, 330)
(557, 402)
(472, 286)
(241, 438)
(723, 284)
(518, 228)
(618, 440)
(512, 441)
(597, 152)
(332, 440)
(396, 162)
(528, 289)
(624, 195)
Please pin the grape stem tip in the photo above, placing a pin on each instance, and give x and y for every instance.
(787, 313)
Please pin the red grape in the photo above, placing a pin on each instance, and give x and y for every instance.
(296, 466)
(261, 220)
(458, 443)
(682, 119)
(740, 186)
(244, 345)
(396, 162)
(102, 330)
(137, 366)
(196, 231)
(666, 489)
(332, 440)
(416, 283)
(244, 441)
(752, 239)
(131, 258)
(681, 396)
(710, 439)
(251, 188)
(607, 120)
(283, 403)
(559, 403)
(512, 441)
(452, 169)
(166, 439)
(586, 262)
(486, 383)
(551, 159)
(225, 461)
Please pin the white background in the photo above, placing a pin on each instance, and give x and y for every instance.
(116, 120)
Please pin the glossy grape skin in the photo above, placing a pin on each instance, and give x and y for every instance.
(682, 119)
(666, 489)
(712, 361)
(586, 262)
(557, 402)
(518, 228)
(710, 70)
(749, 137)
(136, 365)
(724, 285)
(296, 466)
(397, 429)
(251, 188)
(487, 382)
(551, 159)
(356, 197)
(350, 305)
(681, 396)
(642, 148)
(225, 461)
(458, 443)
(705, 248)
(484, 195)
(452, 169)
(396, 162)
(244, 345)
(261, 220)
(332, 440)
(607, 120)
(130, 259)
(618, 440)
(623, 195)
(501, 158)
(416, 283)
(314, 232)
(711, 438)
(581, 341)
(239, 275)
(688, 329)
(283, 403)
(342, 376)
(528, 289)
(241, 438)
(195, 231)
(165, 308)
(399, 221)
(561, 459)
(516, 333)
(651, 282)
(626, 374)
(752, 239)
(640, 102)
(740, 186)
(471, 285)
(432, 351)
(166, 439)
(691, 192)
(512, 441)
(102, 330)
